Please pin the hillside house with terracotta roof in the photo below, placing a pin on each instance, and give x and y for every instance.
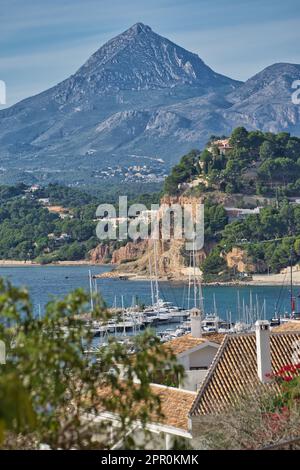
(195, 352)
(171, 423)
(195, 355)
(223, 146)
(240, 368)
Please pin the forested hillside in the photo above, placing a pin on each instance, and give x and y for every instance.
(263, 168)
(254, 163)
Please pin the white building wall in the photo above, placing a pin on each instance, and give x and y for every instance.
(202, 357)
(184, 361)
(193, 379)
(201, 361)
(154, 440)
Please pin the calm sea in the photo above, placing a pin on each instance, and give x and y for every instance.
(46, 282)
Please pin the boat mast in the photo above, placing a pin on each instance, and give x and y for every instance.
(257, 316)
(215, 304)
(239, 305)
(195, 285)
(251, 309)
(291, 285)
(123, 317)
(151, 281)
(156, 273)
(189, 288)
(91, 290)
(201, 299)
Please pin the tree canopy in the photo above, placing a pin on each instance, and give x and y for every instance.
(50, 388)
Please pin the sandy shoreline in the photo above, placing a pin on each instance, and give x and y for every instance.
(14, 263)
(257, 280)
(275, 279)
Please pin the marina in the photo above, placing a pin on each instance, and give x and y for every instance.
(224, 306)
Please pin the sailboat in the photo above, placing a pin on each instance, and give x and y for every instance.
(294, 313)
(164, 310)
(210, 322)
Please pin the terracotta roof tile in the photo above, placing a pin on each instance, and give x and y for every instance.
(233, 372)
(186, 342)
(214, 337)
(175, 405)
(293, 325)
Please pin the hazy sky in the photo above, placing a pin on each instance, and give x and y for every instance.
(43, 42)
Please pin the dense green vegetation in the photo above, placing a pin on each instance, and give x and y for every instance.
(65, 196)
(215, 220)
(215, 267)
(253, 164)
(29, 231)
(270, 239)
(257, 163)
(48, 384)
(187, 169)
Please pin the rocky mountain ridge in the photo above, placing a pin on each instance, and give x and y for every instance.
(139, 98)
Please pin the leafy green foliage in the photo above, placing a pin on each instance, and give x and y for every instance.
(30, 231)
(268, 236)
(59, 388)
(24, 226)
(270, 160)
(184, 171)
(65, 196)
(213, 265)
(215, 220)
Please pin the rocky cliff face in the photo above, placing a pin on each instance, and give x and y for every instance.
(173, 260)
(139, 257)
(101, 254)
(132, 251)
(237, 259)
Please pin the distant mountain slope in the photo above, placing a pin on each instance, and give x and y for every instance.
(265, 101)
(140, 97)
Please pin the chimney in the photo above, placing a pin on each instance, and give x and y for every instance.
(196, 318)
(263, 350)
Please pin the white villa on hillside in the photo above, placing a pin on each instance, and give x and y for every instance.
(223, 146)
(236, 213)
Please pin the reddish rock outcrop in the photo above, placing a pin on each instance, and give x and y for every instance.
(101, 254)
(130, 252)
(239, 260)
(135, 257)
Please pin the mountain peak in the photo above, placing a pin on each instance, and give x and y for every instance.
(140, 95)
(274, 80)
(139, 28)
(139, 58)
